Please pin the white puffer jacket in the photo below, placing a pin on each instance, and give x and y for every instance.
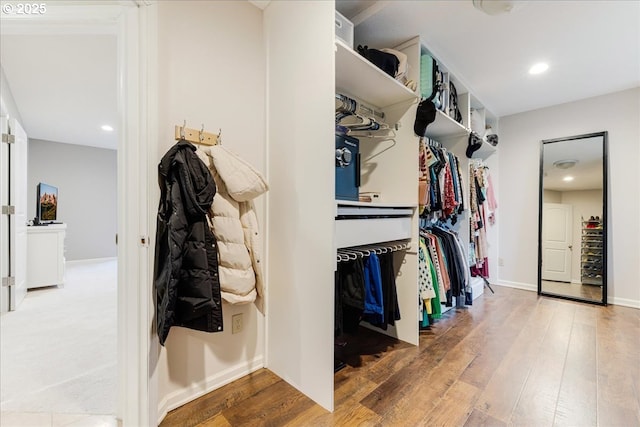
(235, 225)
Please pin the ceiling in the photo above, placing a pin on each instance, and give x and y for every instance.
(587, 172)
(65, 87)
(592, 47)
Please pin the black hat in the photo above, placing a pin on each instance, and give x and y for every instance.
(425, 115)
(475, 142)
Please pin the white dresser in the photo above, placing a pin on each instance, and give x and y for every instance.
(45, 255)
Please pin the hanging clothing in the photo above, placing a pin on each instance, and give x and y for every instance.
(391, 311)
(186, 261)
(482, 213)
(426, 289)
(373, 304)
(441, 192)
(350, 289)
(449, 264)
(366, 290)
(235, 225)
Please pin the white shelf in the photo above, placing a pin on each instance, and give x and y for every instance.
(485, 151)
(374, 204)
(445, 127)
(358, 77)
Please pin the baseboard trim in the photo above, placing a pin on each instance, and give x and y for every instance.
(89, 261)
(625, 302)
(518, 285)
(196, 390)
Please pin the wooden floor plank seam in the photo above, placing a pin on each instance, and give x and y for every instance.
(564, 367)
(541, 302)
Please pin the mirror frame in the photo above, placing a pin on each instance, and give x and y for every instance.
(605, 162)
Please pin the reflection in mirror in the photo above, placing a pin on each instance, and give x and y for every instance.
(572, 239)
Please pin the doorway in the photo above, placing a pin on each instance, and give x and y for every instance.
(122, 20)
(69, 315)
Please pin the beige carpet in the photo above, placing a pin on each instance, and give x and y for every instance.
(58, 350)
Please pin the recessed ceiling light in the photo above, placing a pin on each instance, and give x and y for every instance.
(106, 128)
(567, 178)
(539, 68)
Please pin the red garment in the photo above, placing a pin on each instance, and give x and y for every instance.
(449, 200)
(481, 271)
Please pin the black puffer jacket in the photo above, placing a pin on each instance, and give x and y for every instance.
(186, 259)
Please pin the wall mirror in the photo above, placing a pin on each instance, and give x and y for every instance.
(572, 239)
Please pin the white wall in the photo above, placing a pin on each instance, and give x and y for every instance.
(8, 105)
(585, 203)
(520, 136)
(551, 196)
(87, 194)
(211, 62)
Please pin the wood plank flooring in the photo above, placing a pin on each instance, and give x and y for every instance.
(512, 359)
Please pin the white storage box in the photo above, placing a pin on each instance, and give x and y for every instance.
(344, 30)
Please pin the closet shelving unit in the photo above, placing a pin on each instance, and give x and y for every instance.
(591, 259)
(391, 170)
(389, 167)
(453, 135)
(302, 251)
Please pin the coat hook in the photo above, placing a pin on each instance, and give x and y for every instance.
(220, 136)
(201, 136)
(184, 125)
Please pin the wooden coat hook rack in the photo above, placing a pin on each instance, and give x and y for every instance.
(196, 136)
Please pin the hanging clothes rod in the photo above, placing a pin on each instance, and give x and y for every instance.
(430, 142)
(355, 252)
(349, 104)
(196, 136)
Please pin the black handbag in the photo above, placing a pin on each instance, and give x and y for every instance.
(454, 111)
(387, 62)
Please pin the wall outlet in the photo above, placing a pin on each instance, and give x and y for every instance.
(500, 262)
(236, 323)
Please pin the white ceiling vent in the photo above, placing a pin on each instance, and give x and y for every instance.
(494, 7)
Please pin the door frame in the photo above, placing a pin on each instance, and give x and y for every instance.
(128, 21)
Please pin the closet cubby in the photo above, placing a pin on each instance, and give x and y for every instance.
(443, 126)
(360, 78)
(389, 167)
(480, 120)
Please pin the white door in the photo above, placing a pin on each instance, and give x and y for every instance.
(13, 227)
(557, 241)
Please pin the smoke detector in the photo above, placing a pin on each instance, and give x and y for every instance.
(494, 7)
